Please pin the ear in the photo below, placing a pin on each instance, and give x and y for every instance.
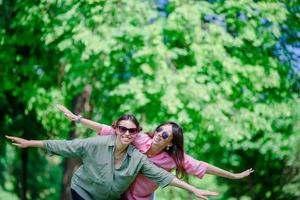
(114, 125)
(170, 144)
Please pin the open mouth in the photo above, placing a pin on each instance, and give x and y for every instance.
(156, 139)
(126, 138)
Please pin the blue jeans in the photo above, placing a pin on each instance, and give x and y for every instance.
(152, 196)
(75, 195)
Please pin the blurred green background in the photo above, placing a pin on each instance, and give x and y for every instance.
(227, 71)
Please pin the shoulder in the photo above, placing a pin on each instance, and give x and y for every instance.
(143, 136)
(135, 153)
(106, 139)
(106, 130)
(142, 142)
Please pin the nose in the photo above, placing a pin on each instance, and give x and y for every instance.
(160, 134)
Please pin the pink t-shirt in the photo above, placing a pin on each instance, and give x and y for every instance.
(142, 187)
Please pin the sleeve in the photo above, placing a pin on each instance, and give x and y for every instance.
(194, 167)
(66, 148)
(156, 174)
(142, 142)
(106, 130)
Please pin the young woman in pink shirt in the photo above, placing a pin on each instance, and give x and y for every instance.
(164, 149)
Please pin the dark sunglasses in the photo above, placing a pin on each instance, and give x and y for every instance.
(123, 130)
(164, 134)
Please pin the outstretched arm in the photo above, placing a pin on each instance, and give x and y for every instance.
(199, 168)
(198, 192)
(65, 148)
(164, 178)
(77, 118)
(220, 172)
(22, 143)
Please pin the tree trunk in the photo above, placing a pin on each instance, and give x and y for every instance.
(24, 158)
(80, 105)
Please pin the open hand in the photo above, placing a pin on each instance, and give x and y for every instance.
(243, 174)
(203, 193)
(19, 142)
(71, 116)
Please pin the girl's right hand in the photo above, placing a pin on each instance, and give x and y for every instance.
(19, 142)
(203, 193)
(243, 174)
(71, 116)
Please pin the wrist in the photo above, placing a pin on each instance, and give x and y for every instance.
(233, 176)
(78, 119)
(35, 143)
(31, 143)
(192, 189)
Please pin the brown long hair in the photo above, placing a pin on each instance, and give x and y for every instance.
(176, 151)
(129, 118)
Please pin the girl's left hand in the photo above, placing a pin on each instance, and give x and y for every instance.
(71, 116)
(203, 193)
(243, 174)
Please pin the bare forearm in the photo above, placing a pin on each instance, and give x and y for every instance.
(23, 143)
(181, 184)
(78, 118)
(219, 172)
(91, 124)
(35, 143)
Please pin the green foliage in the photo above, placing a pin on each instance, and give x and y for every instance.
(211, 67)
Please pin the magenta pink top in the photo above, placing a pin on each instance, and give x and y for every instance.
(142, 187)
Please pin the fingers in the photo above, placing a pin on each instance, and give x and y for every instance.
(17, 144)
(11, 138)
(62, 108)
(15, 140)
(70, 117)
(203, 197)
(203, 193)
(209, 193)
(245, 173)
(249, 171)
(59, 106)
(66, 112)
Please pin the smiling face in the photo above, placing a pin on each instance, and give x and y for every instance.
(163, 136)
(126, 131)
(171, 134)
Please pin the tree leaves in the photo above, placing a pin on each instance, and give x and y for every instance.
(210, 66)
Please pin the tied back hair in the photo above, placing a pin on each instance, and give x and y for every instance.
(127, 117)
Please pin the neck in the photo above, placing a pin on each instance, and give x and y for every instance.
(155, 149)
(120, 148)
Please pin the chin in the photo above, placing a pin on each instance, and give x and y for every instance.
(126, 141)
(154, 142)
(158, 142)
